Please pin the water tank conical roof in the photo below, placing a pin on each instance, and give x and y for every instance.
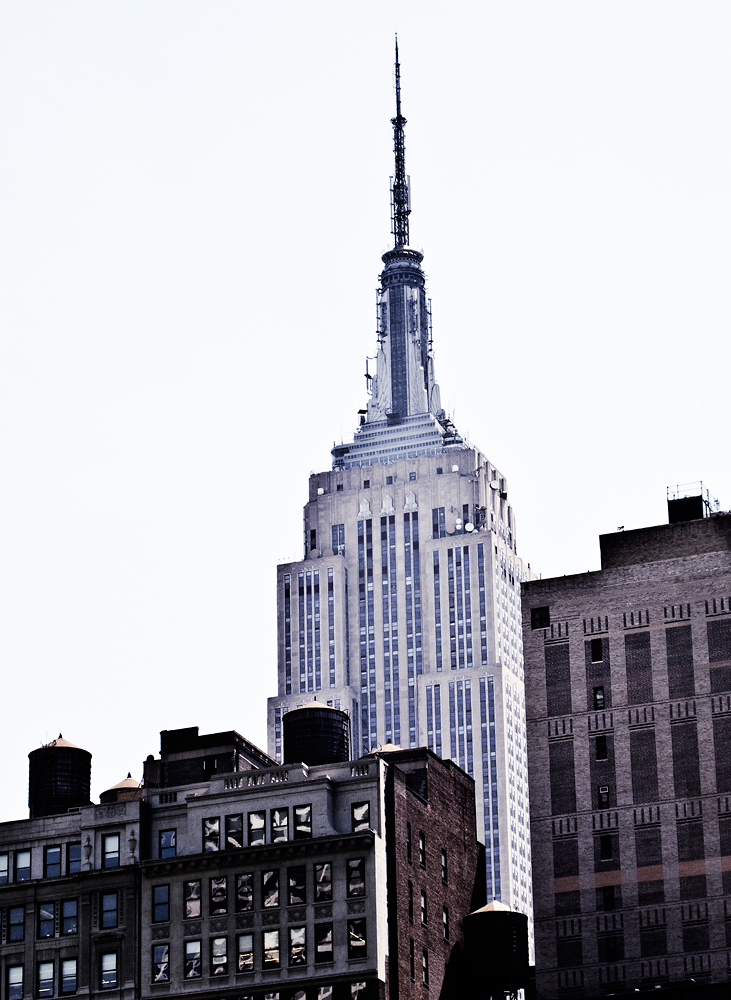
(316, 734)
(127, 788)
(59, 778)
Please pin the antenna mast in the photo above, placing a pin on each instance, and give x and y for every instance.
(400, 200)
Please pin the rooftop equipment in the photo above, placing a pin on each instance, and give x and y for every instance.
(316, 734)
(59, 778)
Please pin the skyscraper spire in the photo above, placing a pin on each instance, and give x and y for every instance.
(400, 198)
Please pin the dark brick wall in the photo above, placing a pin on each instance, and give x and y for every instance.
(445, 813)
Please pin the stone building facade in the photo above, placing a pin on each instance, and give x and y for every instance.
(628, 693)
(405, 608)
(229, 874)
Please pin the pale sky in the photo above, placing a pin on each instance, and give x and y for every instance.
(193, 205)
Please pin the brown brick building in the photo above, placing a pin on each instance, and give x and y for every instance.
(628, 702)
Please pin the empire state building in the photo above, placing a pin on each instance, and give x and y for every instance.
(405, 608)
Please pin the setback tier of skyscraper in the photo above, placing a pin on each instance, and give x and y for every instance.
(405, 610)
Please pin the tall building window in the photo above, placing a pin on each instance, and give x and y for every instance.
(193, 960)
(425, 967)
(73, 858)
(298, 946)
(437, 611)
(218, 899)
(16, 923)
(211, 834)
(279, 825)
(445, 922)
(68, 975)
(244, 892)
(110, 854)
(483, 617)
(69, 916)
(422, 908)
(270, 889)
(439, 527)
(297, 886)
(22, 866)
(270, 957)
(109, 970)
(287, 633)
(357, 945)
(219, 956)
(191, 900)
(360, 817)
(167, 843)
(389, 601)
(161, 963)
(257, 828)
(46, 919)
(234, 832)
(109, 909)
(422, 848)
(489, 787)
(338, 539)
(412, 960)
(51, 862)
(3, 869)
(355, 868)
(15, 982)
(323, 882)
(412, 573)
(331, 625)
(369, 716)
(302, 822)
(44, 986)
(323, 943)
(245, 958)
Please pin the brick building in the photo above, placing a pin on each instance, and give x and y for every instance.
(628, 694)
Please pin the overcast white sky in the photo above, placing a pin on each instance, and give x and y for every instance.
(193, 204)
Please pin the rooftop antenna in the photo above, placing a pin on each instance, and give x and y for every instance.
(400, 198)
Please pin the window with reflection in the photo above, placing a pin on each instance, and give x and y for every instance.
(323, 882)
(3, 869)
(357, 938)
(161, 963)
(257, 829)
(110, 850)
(22, 866)
(244, 891)
(68, 975)
(219, 956)
(46, 920)
(15, 982)
(279, 825)
(361, 817)
(109, 970)
(44, 986)
(296, 879)
(270, 951)
(211, 834)
(270, 888)
(245, 961)
(167, 843)
(218, 902)
(297, 946)
(234, 832)
(355, 869)
(69, 916)
(323, 943)
(302, 822)
(191, 900)
(192, 959)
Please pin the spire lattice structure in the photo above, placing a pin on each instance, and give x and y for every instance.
(400, 199)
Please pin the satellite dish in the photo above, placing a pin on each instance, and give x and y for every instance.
(450, 531)
(495, 485)
(458, 520)
(469, 526)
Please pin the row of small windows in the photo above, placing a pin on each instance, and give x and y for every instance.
(269, 953)
(233, 829)
(68, 913)
(18, 863)
(292, 891)
(48, 985)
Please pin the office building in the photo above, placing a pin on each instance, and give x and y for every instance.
(405, 608)
(628, 692)
(227, 873)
